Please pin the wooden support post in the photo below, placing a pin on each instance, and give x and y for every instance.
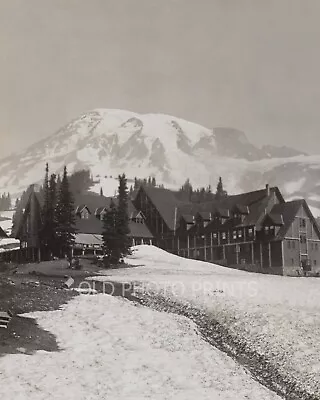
(237, 253)
(269, 248)
(188, 246)
(252, 252)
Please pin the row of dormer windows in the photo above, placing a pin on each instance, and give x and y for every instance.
(84, 214)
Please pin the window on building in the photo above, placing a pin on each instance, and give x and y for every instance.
(303, 239)
(215, 236)
(224, 235)
(314, 262)
(250, 231)
(85, 214)
(234, 234)
(239, 233)
(302, 223)
(289, 244)
(266, 229)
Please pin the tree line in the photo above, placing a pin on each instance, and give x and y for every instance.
(203, 194)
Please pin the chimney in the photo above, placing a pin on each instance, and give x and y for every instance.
(267, 189)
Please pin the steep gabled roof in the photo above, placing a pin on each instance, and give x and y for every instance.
(139, 230)
(273, 219)
(251, 204)
(289, 210)
(166, 202)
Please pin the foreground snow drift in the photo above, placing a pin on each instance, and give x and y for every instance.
(113, 349)
(278, 317)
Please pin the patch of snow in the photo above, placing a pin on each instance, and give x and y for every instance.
(276, 316)
(113, 349)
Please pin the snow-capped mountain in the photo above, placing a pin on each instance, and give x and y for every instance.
(110, 142)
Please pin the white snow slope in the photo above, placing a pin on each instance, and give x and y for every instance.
(279, 317)
(110, 142)
(113, 349)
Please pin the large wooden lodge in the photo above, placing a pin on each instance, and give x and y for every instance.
(257, 231)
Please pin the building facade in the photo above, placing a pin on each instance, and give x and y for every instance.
(256, 231)
(89, 211)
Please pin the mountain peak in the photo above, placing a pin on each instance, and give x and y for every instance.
(113, 141)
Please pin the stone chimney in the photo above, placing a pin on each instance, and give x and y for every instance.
(267, 189)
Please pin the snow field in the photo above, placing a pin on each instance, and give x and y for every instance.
(115, 349)
(279, 317)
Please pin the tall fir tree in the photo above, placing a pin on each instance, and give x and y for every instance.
(46, 226)
(110, 235)
(65, 217)
(123, 218)
(52, 214)
(220, 192)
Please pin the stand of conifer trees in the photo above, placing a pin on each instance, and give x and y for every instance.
(58, 217)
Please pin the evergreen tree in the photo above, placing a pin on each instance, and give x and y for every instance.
(136, 183)
(110, 235)
(52, 214)
(9, 201)
(58, 182)
(153, 183)
(123, 229)
(65, 216)
(101, 192)
(220, 192)
(46, 227)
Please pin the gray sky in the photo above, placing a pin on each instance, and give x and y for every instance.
(252, 65)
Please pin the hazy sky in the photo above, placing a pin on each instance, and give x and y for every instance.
(253, 65)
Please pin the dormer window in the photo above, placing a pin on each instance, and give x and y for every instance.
(250, 231)
(102, 214)
(303, 223)
(224, 235)
(84, 214)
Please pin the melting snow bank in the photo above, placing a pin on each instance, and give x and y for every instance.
(275, 320)
(112, 348)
